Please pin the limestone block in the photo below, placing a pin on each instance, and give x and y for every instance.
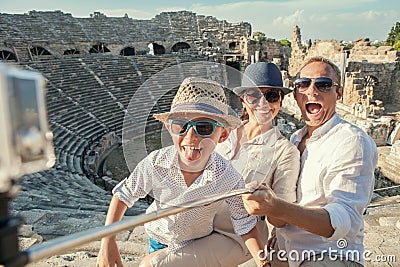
(358, 87)
(395, 135)
(385, 48)
(362, 92)
(358, 81)
(393, 55)
(388, 221)
(373, 239)
(26, 242)
(395, 149)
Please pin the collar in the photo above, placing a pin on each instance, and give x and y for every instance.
(319, 132)
(267, 138)
(169, 159)
(325, 128)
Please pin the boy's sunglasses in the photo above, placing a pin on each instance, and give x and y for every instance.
(254, 96)
(323, 84)
(203, 128)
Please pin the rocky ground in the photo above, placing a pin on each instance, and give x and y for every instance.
(53, 207)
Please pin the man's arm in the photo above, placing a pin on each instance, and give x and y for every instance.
(109, 253)
(264, 202)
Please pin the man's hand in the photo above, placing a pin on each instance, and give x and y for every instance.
(109, 254)
(261, 202)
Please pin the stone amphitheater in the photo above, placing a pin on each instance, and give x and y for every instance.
(93, 67)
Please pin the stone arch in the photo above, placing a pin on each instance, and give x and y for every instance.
(39, 51)
(370, 80)
(99, 48)
(128, 51)
(158, 49)
(233, 64)
(71, 52)
(180, 46)
(232, 45)
(370, 83)
(7, 55)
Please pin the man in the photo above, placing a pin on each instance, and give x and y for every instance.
(325, 226)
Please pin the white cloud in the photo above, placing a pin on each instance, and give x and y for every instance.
(293, 19)
(372, 15)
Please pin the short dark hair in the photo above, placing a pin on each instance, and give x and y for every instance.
(327, 61)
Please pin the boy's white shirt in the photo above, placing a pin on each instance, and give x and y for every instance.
(159, 172)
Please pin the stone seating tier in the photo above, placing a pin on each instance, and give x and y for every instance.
(89, 96)
(58, 27)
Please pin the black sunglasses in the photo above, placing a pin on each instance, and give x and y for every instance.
(254, 96)
(203, 128)
(323, 84)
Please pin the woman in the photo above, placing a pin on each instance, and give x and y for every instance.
(260, 153)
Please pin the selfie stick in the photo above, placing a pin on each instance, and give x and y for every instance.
(60, 244)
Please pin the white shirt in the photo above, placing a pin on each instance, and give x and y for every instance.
(337, 173)
(159, 172)
(268, 158)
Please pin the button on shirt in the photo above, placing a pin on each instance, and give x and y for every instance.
(268, 158)
(337, 174)
(159, 172)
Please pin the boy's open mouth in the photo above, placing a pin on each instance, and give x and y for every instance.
(192, 153)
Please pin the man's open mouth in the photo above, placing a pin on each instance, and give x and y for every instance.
(313, 107)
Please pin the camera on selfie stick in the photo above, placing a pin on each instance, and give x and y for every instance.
(25, 143)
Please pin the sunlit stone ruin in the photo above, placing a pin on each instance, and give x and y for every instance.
(94, 65)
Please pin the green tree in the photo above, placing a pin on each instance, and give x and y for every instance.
(394, 36)
(397, 45)
(259, 37)
(285, 42)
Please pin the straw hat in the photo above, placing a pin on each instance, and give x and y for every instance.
(203, 98)
(261, 74)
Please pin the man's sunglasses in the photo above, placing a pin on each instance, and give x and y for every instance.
(323, 84)
(203, 128)
(254, 96)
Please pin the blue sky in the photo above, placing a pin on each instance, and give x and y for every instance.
(318, 19)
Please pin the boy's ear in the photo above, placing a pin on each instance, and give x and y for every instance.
(224, 134)
(167, 126)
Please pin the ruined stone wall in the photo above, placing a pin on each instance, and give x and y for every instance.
(367, 82)
(326, 48)
(332, 49)
(268, 51)
(53, 28)
(364, 52)
(298, 52)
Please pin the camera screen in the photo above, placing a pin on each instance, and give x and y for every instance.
(24, 111)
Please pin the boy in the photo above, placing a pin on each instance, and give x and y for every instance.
(187, 170)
